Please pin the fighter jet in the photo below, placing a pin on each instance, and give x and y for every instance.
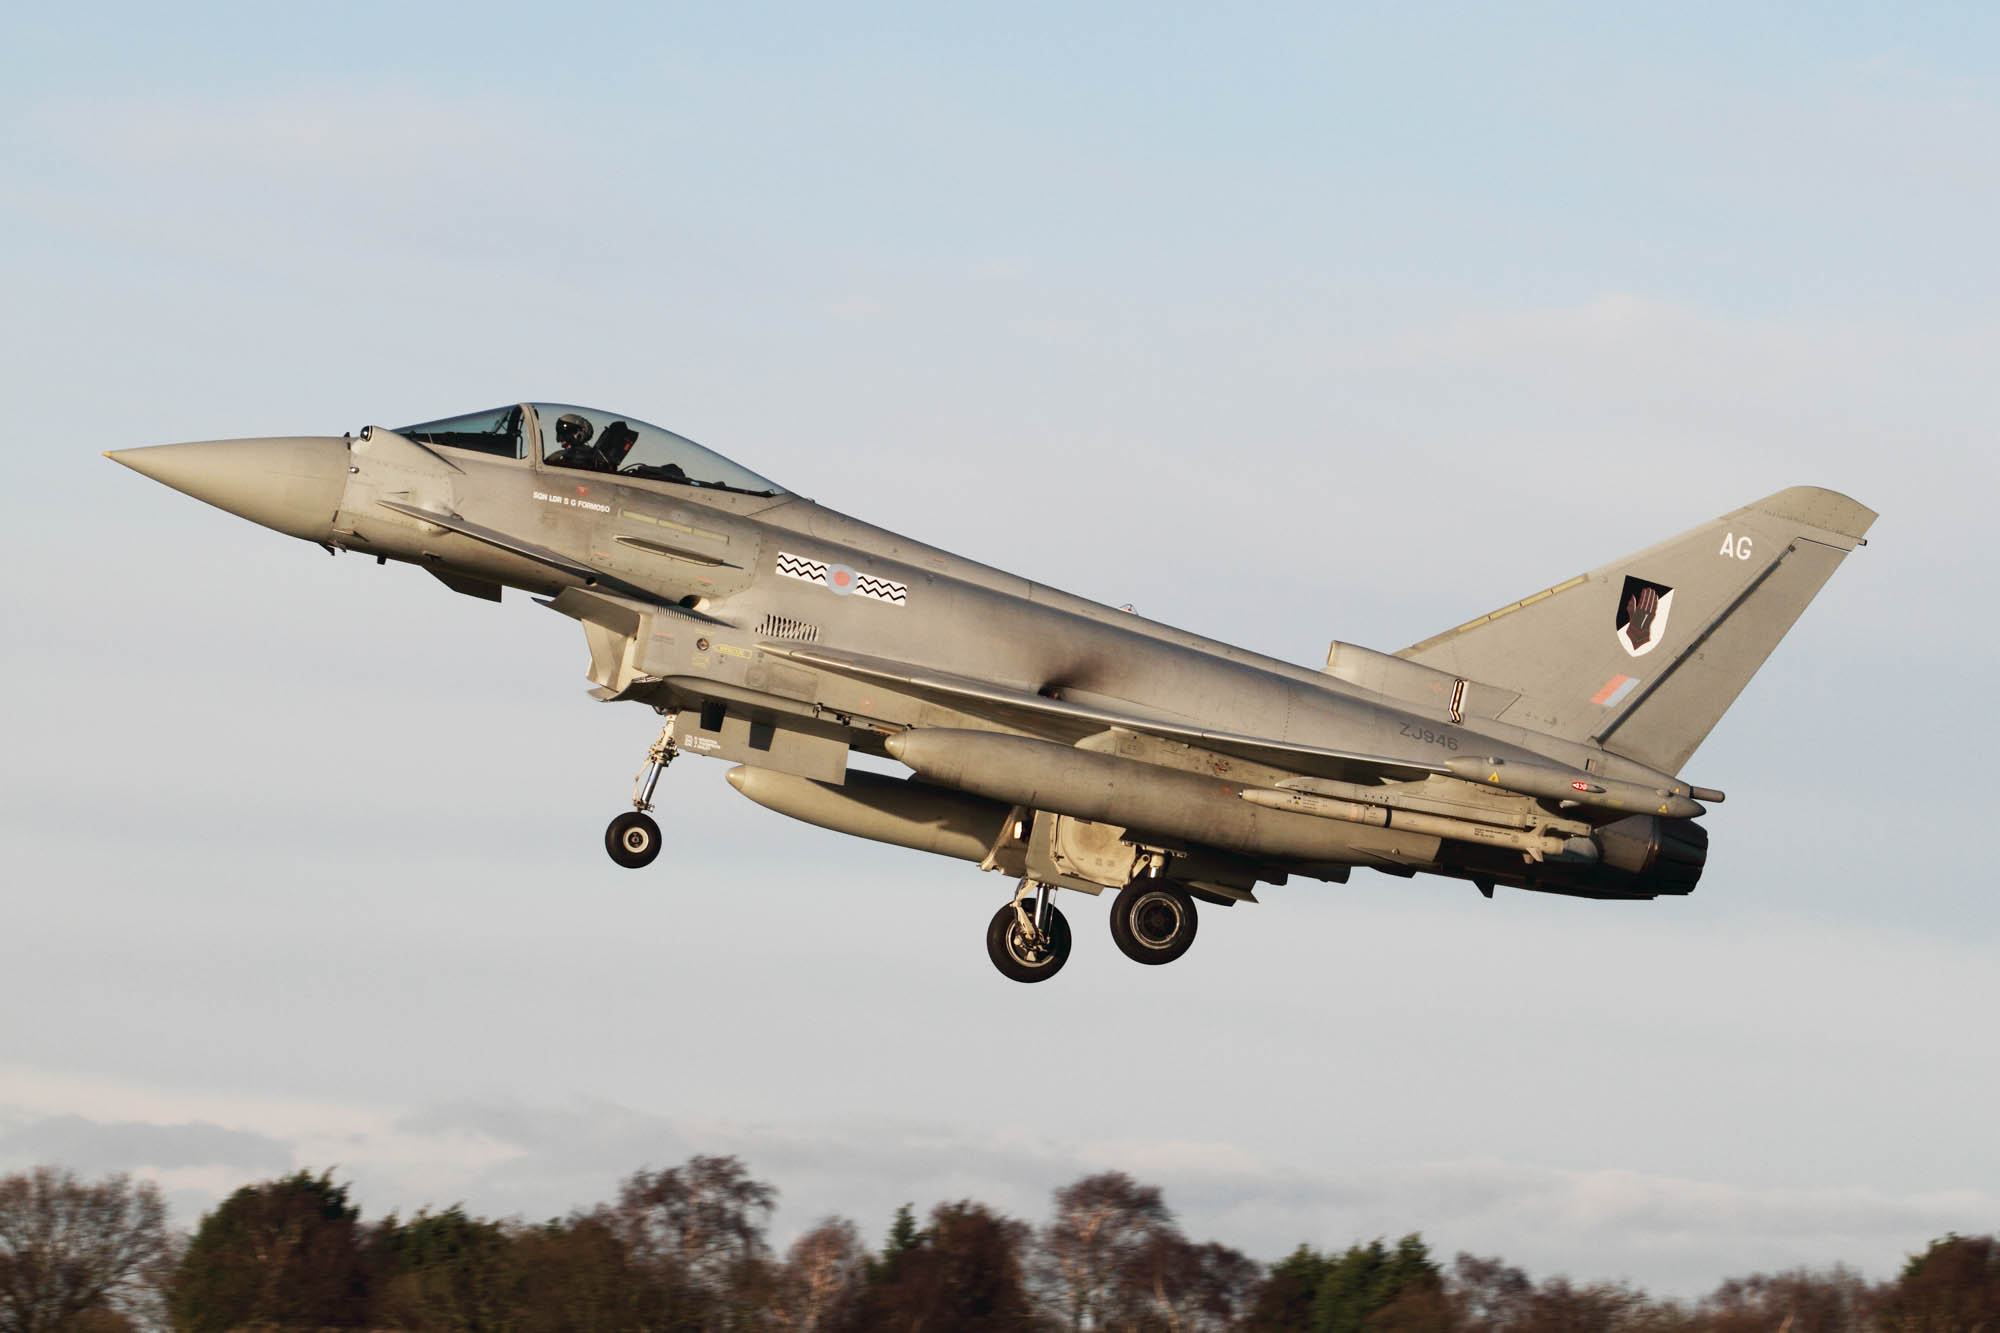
(1065, 744)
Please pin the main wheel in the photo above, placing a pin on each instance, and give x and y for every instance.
(1021, 958)
(1152, 921)
(633, 839)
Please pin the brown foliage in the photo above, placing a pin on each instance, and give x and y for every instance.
(695, 1235)
(962, 1274)
(1416, 1309)
(821, 1277)
(572, 1275)
(76, 1256)
(684, 1250)
(1487, 1295)
(1835, 1301)
(1094, 1251)
(1952, 1287)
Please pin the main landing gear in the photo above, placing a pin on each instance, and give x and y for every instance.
(633, 839)
(1152, 921)
(1028, 939)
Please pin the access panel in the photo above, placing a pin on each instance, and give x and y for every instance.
(760, 743)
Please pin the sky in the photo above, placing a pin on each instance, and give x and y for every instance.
(1286, 324)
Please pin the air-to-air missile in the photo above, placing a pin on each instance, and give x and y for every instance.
(1066, 744)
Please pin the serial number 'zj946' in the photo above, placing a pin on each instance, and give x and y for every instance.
(1430, 737)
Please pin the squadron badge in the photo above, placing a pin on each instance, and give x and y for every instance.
(1642, 615)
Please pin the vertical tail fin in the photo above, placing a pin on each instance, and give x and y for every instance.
(1644, 655)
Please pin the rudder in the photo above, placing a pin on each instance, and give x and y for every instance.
(1644, 655)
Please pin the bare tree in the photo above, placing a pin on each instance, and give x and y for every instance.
(1093, 1252)
(1189, 1288)
(69, 1250)
(699, 1229)
(1560, 1306)
(1488, 1295)
(1800, 1301)
(821, 1272)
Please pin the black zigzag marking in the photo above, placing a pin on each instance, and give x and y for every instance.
(799, 567)
(882, 590)
(867, 585)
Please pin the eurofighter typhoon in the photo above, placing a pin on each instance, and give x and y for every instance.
(1062, 743)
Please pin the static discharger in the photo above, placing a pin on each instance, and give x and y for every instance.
(1570, 784)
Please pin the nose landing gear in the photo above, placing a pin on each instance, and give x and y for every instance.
(633, 838)
(1029, 940)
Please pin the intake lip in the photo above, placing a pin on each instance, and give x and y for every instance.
(292, 483)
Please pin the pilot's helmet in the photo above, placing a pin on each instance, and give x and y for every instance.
(573, 431)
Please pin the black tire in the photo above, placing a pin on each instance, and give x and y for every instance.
(633, 839)
(1015, 957)
(1153, 921)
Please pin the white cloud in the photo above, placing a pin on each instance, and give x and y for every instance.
(338, 136)
(119, 1146)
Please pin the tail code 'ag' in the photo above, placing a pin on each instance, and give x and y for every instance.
(1644, 655)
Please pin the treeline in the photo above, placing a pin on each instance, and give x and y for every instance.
(687, 1249)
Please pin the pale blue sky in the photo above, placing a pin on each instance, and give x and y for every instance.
(1287, 325)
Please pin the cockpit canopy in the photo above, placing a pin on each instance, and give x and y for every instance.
(592, 441)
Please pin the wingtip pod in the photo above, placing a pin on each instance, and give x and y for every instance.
(1816, 507)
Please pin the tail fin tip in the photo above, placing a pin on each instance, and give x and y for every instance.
(1817, 507)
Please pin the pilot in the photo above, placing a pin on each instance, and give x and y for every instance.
(573, 445)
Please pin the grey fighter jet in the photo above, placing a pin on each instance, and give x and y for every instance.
(1066, 744)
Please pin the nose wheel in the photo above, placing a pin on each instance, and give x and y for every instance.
(1028, 939)
(633, 838)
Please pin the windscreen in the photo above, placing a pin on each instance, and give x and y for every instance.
(496, 431)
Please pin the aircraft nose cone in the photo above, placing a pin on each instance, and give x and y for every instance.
(293, 483)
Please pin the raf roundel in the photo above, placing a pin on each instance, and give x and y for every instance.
(842, 579)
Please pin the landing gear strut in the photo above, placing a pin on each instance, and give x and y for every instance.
(633, 839)
(1028, 939)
